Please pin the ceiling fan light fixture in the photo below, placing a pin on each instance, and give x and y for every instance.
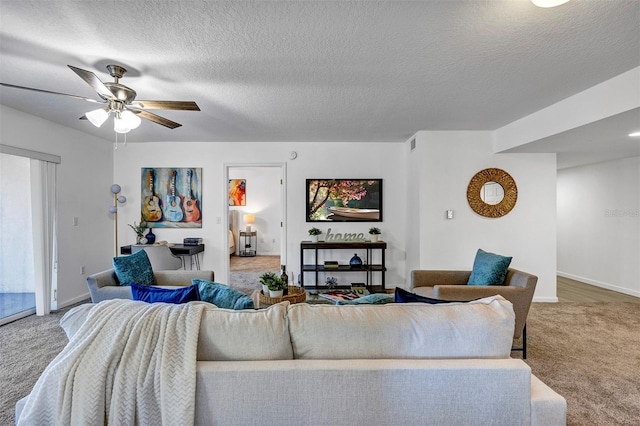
(120, 125)
(132, 121)
(97, 117)
(548, 3)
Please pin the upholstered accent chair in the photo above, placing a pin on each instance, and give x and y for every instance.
(518, 288)
(160, 257)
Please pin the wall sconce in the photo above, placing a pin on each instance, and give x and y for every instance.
(248, 220)
(115, 190)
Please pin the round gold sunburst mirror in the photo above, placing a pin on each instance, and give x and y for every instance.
(492, 193)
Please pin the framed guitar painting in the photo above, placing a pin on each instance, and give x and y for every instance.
(171, 197)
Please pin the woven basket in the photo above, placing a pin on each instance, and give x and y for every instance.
(296, 295)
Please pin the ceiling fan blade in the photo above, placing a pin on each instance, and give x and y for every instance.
(157, 119)
(176, 105)
(51, 93)
(92, 80)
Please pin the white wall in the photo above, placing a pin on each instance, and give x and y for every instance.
(446, 162)
(315, 160)
(598, 224)
(84, 178)
(264, 201)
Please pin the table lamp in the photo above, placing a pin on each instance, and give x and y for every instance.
(248, 220)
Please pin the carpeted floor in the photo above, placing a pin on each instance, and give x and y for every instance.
(587, 352)
(590, 354)
(245, 271)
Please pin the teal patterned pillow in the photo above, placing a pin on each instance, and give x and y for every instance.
(489, 269)
(370, 299)
(134, 269)
(222, 295)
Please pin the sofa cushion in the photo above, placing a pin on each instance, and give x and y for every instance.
(248, 335)
(222, 295)
(178, 295)
(489, 269)
(482, 328)
(134, 269)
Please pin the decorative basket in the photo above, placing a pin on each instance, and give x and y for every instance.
(296, 295)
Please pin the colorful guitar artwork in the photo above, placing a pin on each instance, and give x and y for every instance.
(191, 210)
(151, 210)
(173, 206)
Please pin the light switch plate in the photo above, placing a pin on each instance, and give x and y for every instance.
(449, 214)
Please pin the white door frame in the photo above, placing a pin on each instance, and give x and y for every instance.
(225, 204)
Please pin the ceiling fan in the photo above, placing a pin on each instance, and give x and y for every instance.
(119, 100)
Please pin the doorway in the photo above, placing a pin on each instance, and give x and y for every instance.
(256, 223)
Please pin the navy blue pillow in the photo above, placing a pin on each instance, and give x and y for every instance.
(155, 294)
(134, 269)
(404, 296)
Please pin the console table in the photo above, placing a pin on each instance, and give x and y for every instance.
(180, 250)
(316, 268)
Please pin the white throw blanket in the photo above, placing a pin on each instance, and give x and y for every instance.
(130, 363)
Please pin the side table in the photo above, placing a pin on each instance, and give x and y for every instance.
(248, 243)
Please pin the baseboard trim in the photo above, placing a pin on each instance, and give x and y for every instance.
(599, 284)
(73, 301)
(545, 299)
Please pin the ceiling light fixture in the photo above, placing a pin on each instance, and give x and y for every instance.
(548, 3)
(635, 134)
(123, 121)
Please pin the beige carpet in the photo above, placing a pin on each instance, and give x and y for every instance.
(244, 272)
(590, 354)
(587, 352)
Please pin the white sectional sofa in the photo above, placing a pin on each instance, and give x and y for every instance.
(394, 364)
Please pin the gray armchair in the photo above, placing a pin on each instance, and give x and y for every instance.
(105, 285)
(518, 288)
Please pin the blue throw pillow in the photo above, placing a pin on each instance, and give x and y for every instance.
(404, 296)
(222, 295)
(134, 269)
(155, 294)
(489, 269)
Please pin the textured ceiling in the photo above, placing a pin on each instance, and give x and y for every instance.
(316, 70)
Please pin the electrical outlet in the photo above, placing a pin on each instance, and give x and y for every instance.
(82, 270)
(273, 241)
(218, 220)
(75, 221)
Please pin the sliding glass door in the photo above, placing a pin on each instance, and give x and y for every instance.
(27, 236)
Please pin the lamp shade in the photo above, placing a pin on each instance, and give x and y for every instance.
(248, 220)
(115, 188)
(120, 125)
(131, 119)
(98, 116)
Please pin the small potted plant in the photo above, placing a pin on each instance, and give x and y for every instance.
(273, 283)
(313, 233)
(139, 230)
(375, 234)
